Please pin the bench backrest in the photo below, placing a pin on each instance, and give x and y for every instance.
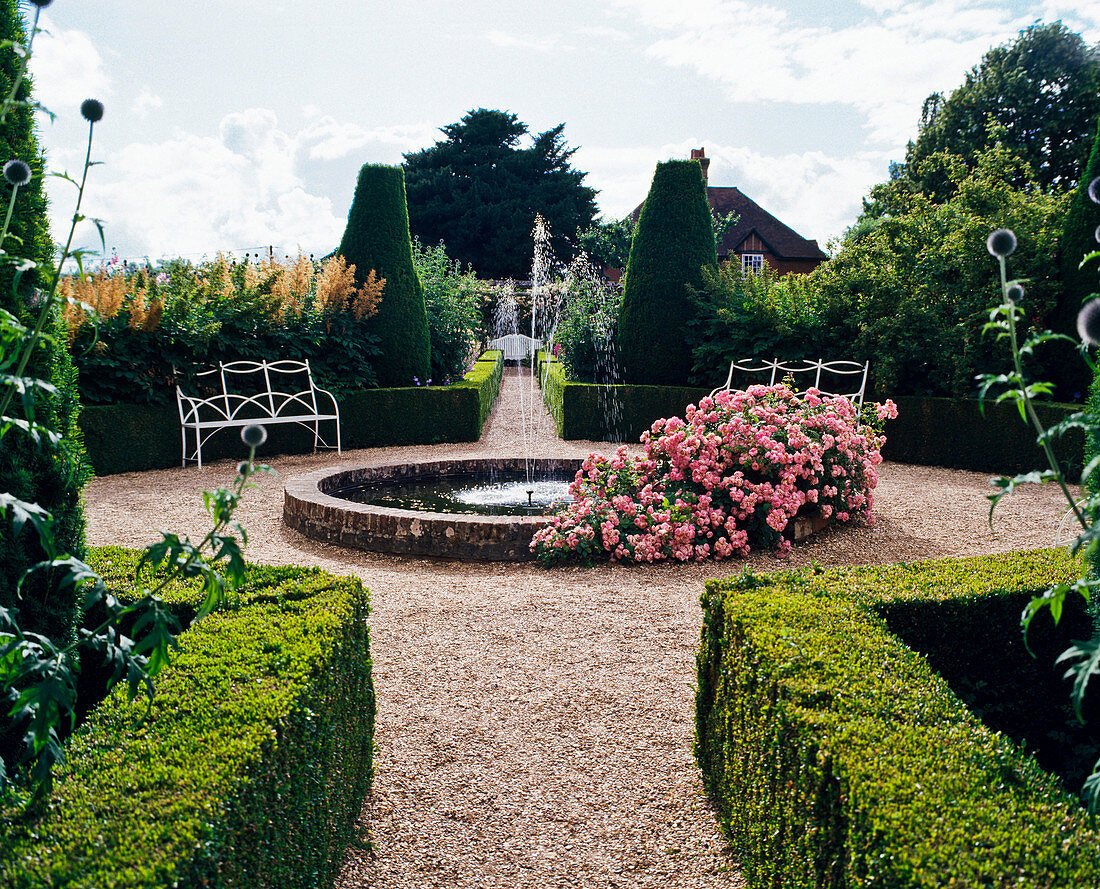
(847, 379)
(515, 346)
(268, 385)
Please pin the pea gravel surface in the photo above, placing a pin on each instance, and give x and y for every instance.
(535, 726)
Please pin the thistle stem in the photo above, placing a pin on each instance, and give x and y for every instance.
(1029, 406)
(47, 305)
(22, 72)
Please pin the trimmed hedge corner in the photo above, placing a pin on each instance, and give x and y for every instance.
(134, 438)
(595, 412)
(251, 767)
(839, 757)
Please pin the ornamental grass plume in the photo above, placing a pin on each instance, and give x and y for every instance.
(336, 292)
(727, 478)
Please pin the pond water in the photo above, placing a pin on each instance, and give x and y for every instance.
(506, 493)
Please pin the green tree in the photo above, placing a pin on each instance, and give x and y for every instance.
(478, 190)
(377, 238)
(1043, 89)
(454, 310)
(607, 244)
(913, 291)
(50, 475)
(672, 246)
(1079, 239)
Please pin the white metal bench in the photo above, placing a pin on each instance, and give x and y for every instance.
(253, 392)
(780, 369)
(515, 346)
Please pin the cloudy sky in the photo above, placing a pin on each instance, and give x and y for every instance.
(240, 125)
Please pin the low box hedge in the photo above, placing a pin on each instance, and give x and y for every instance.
(250, 768)
(839, 757)
(955, 433)
(134, 438)
(595, 412)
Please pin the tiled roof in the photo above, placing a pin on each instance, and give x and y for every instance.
(782, 240)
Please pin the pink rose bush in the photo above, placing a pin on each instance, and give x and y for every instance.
(729, 476)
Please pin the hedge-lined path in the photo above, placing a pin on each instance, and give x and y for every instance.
(535, 727)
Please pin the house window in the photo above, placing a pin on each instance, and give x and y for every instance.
(752, 262)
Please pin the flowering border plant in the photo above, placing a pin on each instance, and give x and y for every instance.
(728, 477)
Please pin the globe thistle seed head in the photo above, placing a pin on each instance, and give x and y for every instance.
(17, 172)
(92, 110)
(1094, 190)
(1096, 234)
(1015, 292)
(254, 435)
(41, 4)
(1001, 242)
(242, 467)
(1088, 323)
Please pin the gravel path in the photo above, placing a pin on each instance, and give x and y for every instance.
(535, 727)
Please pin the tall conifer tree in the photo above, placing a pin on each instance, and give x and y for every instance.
(377, 237)
(672, 244)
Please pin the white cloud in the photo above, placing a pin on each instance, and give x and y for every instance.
(146, 102)
(193, 195)
(67, 68)
(326, 138)
(883, 64)
(527, 43)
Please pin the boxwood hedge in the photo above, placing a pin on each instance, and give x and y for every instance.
(839, 757)
(250, 767)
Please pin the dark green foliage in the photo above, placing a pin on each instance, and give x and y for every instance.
(453, 306)
(958, 434)
(747, 315)
(580, 410)
(52, 477)
(251, 768)
(1079, 239)
(377, 238)
(911, 289)
(202, 324)
(477, 191)
(838, 757)
(134, 438)
(607, 244)
(587, 326)
(1042, 93)
(1078, 283)
(673, 244)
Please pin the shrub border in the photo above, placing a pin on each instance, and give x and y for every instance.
(251, 768)
(137, 437)
(836, 755)
(954, 433)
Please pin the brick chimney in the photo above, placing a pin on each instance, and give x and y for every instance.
(700, 154)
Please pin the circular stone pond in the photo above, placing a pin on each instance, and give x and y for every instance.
(318, 506)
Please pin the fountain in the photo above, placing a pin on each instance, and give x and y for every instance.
(314, 506)
(487, 508)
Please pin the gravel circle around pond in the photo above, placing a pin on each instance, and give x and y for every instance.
(535, 726)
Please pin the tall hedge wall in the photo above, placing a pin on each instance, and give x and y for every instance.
(839, 757)
(377, 238)
(251, 767)
(673, 242)
(52, 477)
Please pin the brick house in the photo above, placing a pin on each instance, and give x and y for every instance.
(757, 237)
